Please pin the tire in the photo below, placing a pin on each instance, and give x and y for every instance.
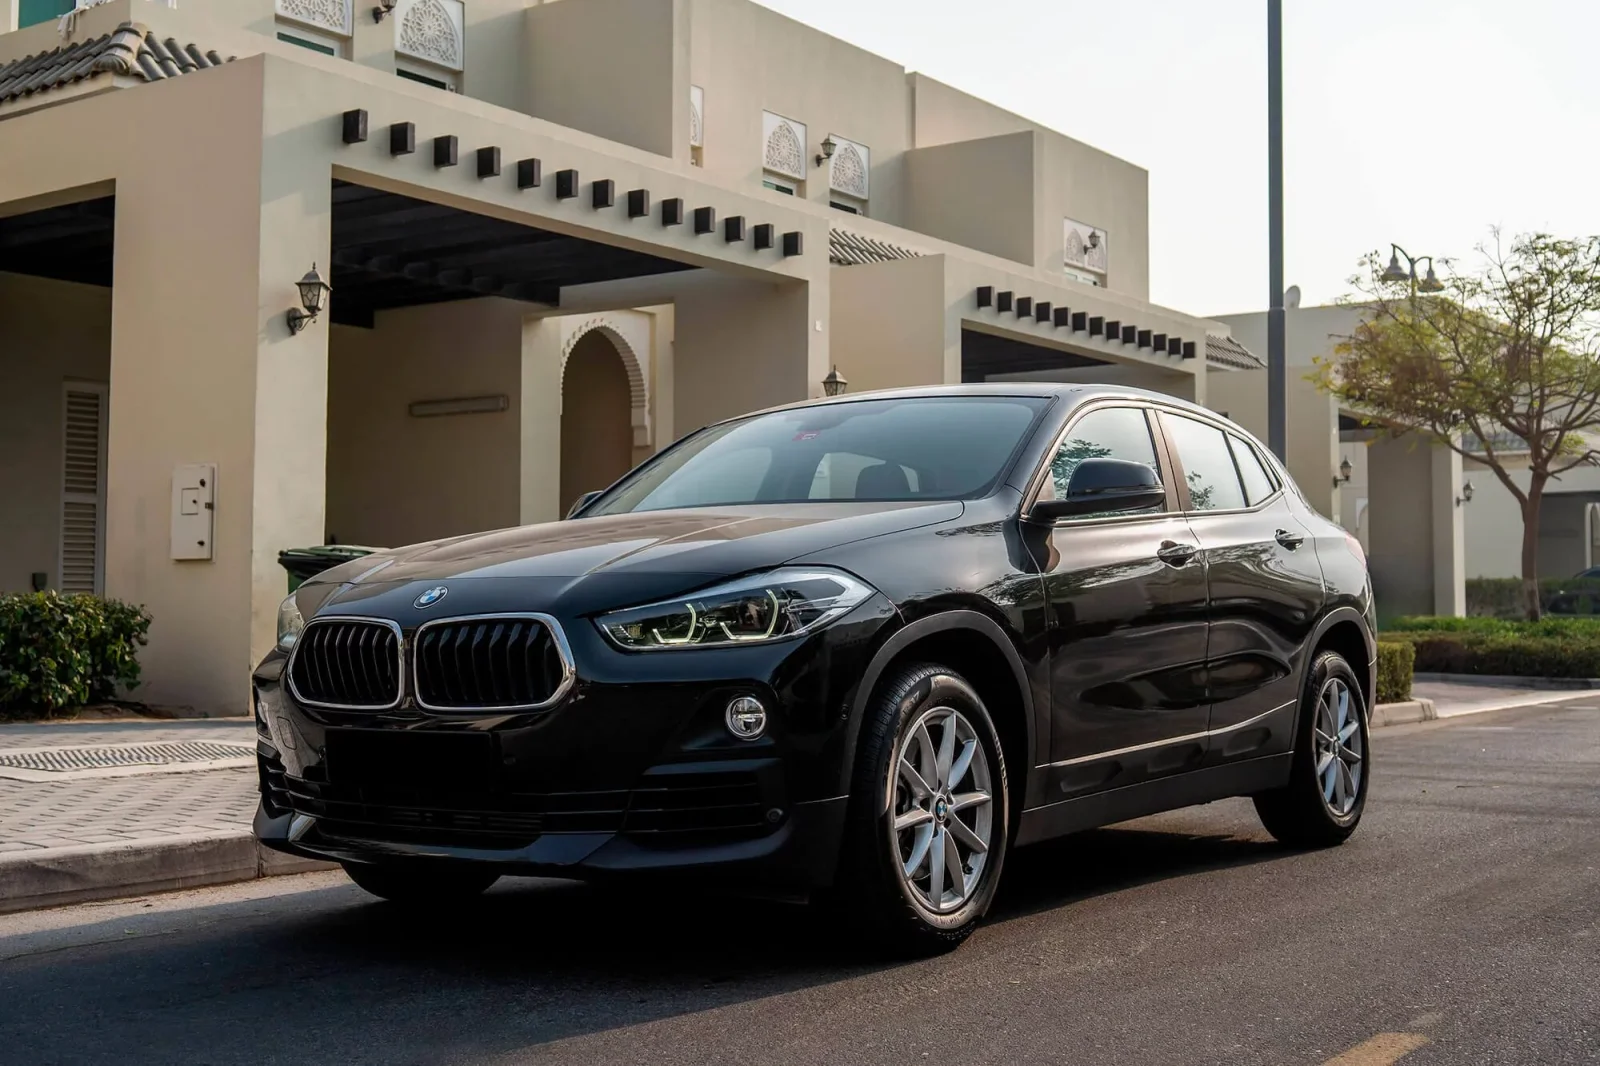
(911, 712)
(1320, 810)
(421, 882)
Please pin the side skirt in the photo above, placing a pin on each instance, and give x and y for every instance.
(1153, 797)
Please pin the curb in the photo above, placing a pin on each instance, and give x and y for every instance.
(1418, 710)
(1557, 684)
(54, 877)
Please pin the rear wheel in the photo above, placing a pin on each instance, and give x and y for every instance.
(421, 881)
(1327, 789)
(927, 832)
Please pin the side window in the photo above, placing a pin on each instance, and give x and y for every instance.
(1207, 464)
(1108, 433)
(1258, 484)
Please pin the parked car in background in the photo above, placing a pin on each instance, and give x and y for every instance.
(856, 649)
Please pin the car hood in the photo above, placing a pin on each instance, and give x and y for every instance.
(595, 563)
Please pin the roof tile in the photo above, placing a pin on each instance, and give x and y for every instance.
(130, 50)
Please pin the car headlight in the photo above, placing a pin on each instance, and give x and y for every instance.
(752, 610)
(290, 623)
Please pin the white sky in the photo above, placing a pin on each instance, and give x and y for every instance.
(1423, 122)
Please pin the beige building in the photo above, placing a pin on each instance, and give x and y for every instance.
(558, 236)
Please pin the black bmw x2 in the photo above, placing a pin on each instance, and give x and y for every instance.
(854, 650)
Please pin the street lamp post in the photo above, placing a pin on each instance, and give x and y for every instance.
(1276, 374)
(1395, 272)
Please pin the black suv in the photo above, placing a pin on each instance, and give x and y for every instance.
(854, 649)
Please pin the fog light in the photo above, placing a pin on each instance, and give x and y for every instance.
(746, 718)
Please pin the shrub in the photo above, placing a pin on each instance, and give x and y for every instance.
(1571, 627)
(1516, 649)
(1395, 659)
(58, 652)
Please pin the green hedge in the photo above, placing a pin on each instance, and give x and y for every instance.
(1395, 667)
(59, 652)
(1501, 597)
(1579, 628)
(1551, 647)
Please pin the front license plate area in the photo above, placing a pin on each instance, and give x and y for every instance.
(387, 760)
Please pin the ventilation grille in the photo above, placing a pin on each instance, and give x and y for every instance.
(82, 428)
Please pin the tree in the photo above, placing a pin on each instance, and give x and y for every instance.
(1506, 352)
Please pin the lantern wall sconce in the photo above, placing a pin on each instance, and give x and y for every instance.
(1343, 476)
(384, 9)
(834, 383)
(313, 298)
(828, 146)
(1466, 493)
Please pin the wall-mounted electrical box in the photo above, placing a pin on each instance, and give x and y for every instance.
(194, 496)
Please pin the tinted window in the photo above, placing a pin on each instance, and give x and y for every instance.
(1258, 484)
(1207, 464)
(1109, 433)
(934, 448)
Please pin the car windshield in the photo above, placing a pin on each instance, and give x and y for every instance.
(932, 448)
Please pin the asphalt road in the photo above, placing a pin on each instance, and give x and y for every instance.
(1460, 925)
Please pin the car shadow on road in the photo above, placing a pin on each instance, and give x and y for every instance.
(531, 962)
(1099, 862)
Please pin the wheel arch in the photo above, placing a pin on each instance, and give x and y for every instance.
(975, 646)
(1344, 630)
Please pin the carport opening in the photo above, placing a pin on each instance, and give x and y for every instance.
(425, 392)
(55, 316)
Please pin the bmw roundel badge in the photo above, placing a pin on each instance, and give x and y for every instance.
(431, 597)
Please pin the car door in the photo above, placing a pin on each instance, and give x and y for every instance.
(1126, 598)
(1264, 581)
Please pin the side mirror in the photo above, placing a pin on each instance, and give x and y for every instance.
(583, 501)
(1104, 486)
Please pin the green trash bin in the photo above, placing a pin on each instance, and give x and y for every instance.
(303, 564)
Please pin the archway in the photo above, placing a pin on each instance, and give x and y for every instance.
(596, 416)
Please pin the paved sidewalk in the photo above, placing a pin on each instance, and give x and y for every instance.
(98, 817)
(79, 809)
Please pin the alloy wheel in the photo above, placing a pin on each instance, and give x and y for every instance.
(943, 818)
(1341, 754)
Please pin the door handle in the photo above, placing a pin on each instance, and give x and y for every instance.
(1289, 540)
(1176, 554)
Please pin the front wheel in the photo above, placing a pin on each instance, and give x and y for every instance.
(421, 882)
(927, 832)
(1327, 790)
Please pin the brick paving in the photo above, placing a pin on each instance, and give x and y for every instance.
(36, 815)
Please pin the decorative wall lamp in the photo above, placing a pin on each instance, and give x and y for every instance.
(313, 297)
(828, 147)
(1466, 493)
(834, 383)
(1343, 476)
(384, 9)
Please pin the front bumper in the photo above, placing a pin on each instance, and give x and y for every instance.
(799, 854)
(633, 771)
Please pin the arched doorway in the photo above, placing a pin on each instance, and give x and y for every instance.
(596, 417)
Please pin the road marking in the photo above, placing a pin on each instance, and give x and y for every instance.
(1382, 1050)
